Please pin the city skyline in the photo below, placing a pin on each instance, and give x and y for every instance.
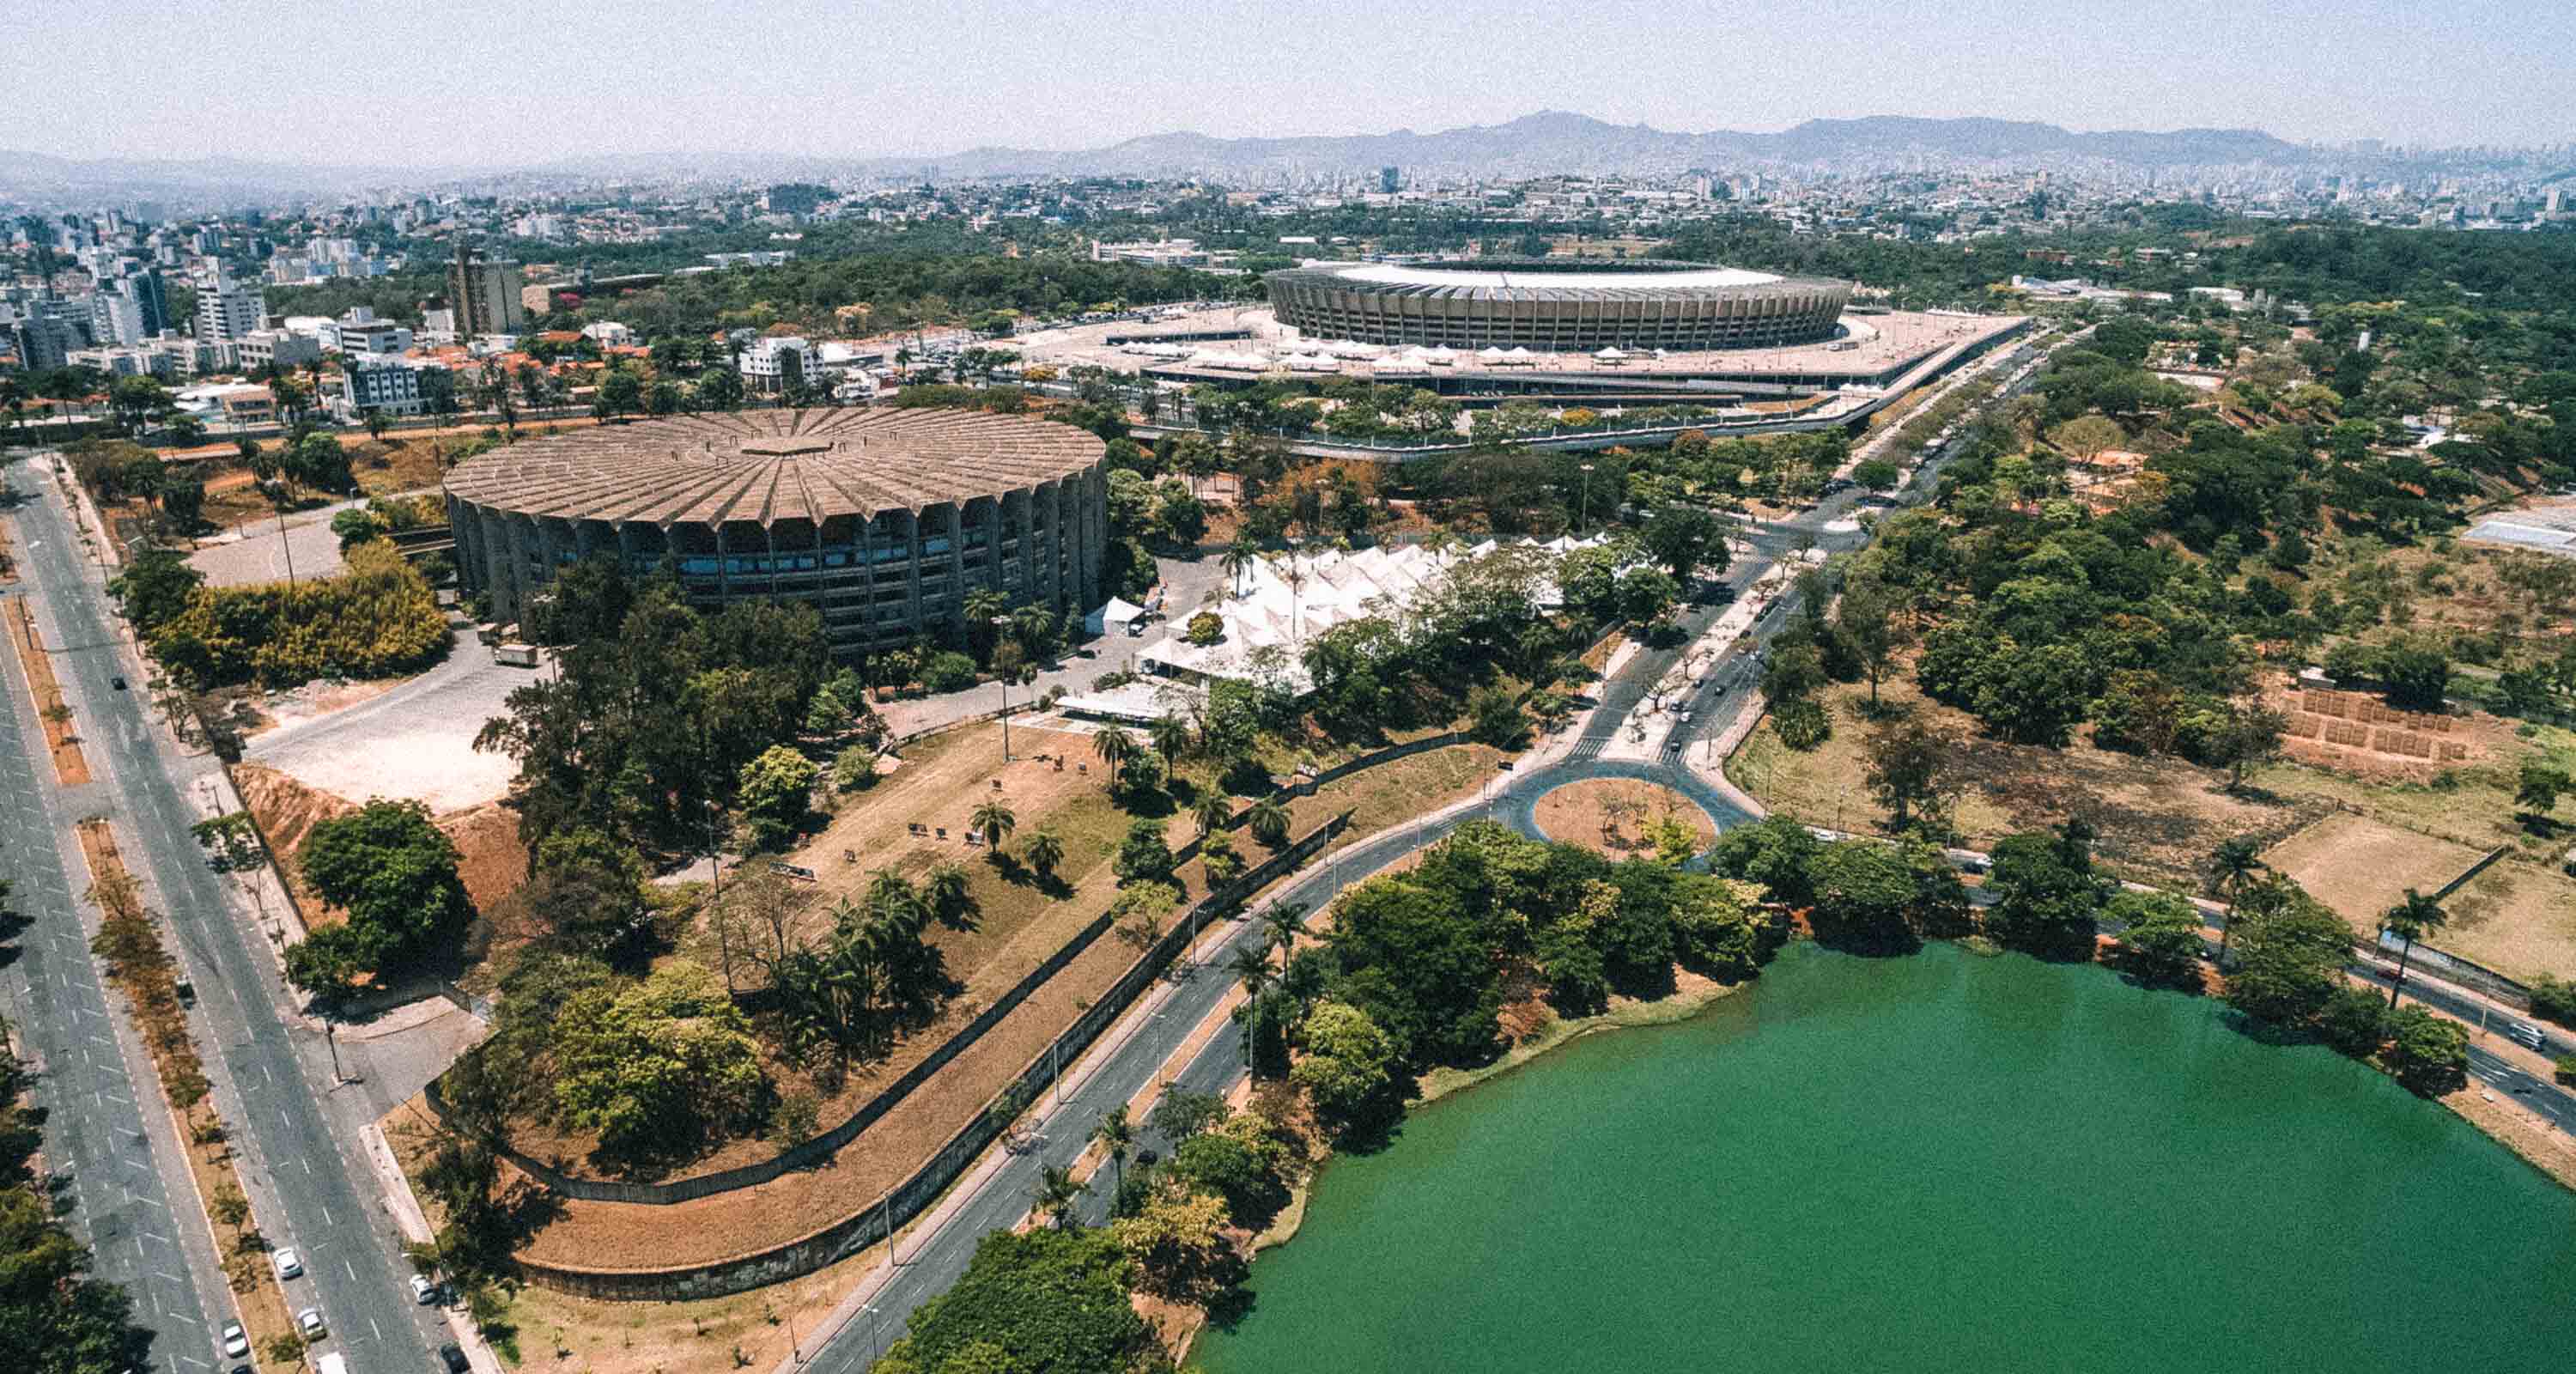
(1085, 78)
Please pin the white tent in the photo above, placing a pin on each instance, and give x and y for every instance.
(1121, 614)
(1610, 355)
(1491, 354)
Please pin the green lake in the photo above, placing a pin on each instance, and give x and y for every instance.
(1941, 1162)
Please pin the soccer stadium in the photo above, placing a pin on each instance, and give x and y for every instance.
(1556, 305)
(883, 520)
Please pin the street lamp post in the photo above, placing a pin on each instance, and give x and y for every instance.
(1584, 518)
(1003, 680)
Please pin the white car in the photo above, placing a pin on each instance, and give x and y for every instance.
(290, 1265)
(236, 1340)
(309, 1321)
(422, 1290)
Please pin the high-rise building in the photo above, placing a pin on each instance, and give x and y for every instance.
(227, 310)
(1390, 179)
(484, 293)
(115, 319)
(46, 340)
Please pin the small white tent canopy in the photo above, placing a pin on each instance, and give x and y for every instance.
(1121, 614)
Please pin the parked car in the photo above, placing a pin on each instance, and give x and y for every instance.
(309, 1321)
(290, 1265)
(117, 682)
(236, 1341)
(454, 1358)
(422, 1290)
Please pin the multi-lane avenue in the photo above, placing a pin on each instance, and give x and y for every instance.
(272, 1074)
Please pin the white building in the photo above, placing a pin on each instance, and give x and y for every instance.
(228, 310)
(275, 347)
(608, 334)
(393, 386)
(772, 363)
(371, 335)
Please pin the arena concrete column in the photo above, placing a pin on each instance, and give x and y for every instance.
(724, 568)
(498, 586)
(582, 539)
(514, 545)
(1094, 518)
(1046, 533)
(469, 557)
(864, 550)
(625, 548)
(957, 559)
(912, 567)
(1027, 497)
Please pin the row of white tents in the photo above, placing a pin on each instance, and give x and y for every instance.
(1284, 602)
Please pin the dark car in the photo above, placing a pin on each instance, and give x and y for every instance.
(454, 1359)
(117, 682)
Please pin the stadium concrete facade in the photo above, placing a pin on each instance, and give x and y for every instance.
(1556, 306)
(883, 520)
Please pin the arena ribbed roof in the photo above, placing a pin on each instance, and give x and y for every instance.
(763, 466)
(1655, 277)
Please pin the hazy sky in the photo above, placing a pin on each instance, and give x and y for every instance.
(509, 81)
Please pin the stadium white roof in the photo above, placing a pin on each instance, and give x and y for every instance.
(1398, 274)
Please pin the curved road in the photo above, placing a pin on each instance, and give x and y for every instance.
(937, 1251)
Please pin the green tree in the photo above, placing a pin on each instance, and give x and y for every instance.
(395, 873)
(2290, 953)
(1116, 748)
(2427, 1053)
(1045, 1301)
(2047, 893)
(2413, 918)
(1903, 764)
(1418, 971)
(995, 818)
(1143, 856)
(774, 791)
(1348, 1070)
(1268, 821)
(1044, 850)
(2538, 788)
(1116, 1137)
(1686, 541)
(2160, 935)
(2232, 869)
(657, 1068)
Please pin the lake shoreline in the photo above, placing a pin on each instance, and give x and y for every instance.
(1692, 1001)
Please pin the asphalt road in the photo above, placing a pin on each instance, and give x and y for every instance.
(110, 1149)
(931, 1261)
(271, 1071)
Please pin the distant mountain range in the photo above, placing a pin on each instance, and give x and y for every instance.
(1557, 142)
(1540, 144)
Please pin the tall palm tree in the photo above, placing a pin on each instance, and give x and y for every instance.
(1115, 748)
(1284, 921)
(1044, 851)
(1240, 557)
(1170, 734)
(891, 895)
(1116, 1135)
(994, 818)
(1268, 821)
(2232, 866)
(944, 890)
(1251, 967)
(1212, 810)
(1056, 1191)
(2412, 919)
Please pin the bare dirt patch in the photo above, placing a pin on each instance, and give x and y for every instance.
(2516, 918)
(2158, 818)
(2361, 867)
(490, 857)
(1618, 815)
